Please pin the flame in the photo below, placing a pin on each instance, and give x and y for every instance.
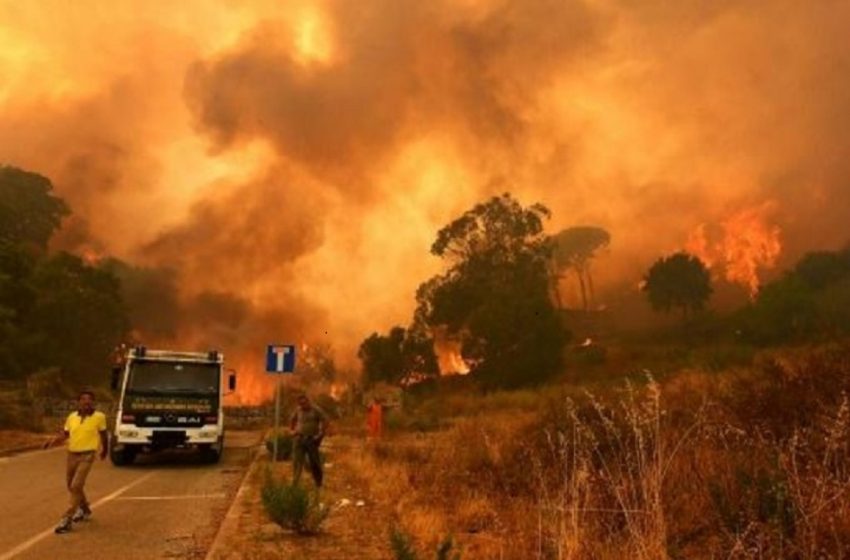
(467, 109)
(91, 256)
(253, 387)
(698, 245)
(449, 357)
(752, 245)
(337, 391)
(412, 379)
(256, 386)
(746, 244)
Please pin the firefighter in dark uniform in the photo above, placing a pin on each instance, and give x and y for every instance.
(309, 425)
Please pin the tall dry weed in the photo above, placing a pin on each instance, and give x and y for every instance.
(817, 464)
(746, 464)
(602, 476)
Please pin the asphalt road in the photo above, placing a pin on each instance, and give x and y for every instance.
(166, 506)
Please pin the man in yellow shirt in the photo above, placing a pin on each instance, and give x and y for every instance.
(85, 431)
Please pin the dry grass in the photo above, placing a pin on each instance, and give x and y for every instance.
(751, 463)
(17, 439)
(350, 531)
(746, 464)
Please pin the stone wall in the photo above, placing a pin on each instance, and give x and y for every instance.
(53, 412)
(243, 417)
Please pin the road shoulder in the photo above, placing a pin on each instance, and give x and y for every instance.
(357, 526)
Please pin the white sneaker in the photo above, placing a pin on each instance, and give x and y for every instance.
(63, 527)
(81, 515)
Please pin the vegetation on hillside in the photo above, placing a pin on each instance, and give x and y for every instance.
(56, 310)
(810, 302)
(396, 356)
(680, 281)
(575, 249)
(749, 463)
(494, 299)
(723, 436)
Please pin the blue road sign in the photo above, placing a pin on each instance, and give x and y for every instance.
(280, 358)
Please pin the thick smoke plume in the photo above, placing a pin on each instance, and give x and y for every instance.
(289, 163)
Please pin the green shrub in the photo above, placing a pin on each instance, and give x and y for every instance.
(401, 545)
(292, 507)
(445, 549)
(403, 549)
(284, 446)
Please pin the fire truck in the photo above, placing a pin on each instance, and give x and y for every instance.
(169, 399)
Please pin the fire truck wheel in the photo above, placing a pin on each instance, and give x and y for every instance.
(210, 454)
(123, 456)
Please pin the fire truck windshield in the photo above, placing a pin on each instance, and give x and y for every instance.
(148, 376)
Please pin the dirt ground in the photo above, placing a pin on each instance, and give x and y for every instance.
(357, 526)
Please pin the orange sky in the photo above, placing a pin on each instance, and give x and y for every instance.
(295, 159)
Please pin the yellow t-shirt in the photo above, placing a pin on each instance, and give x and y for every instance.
(84, 432)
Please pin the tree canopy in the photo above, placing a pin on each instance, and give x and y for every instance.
(810, 301)
(78, 316)
(574, 248)
(498, 230)
(393, 357)
(678, 281)
(819, 269)
(29, 213)
(56, 311)
(494, 297)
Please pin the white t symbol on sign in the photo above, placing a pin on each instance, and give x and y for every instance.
(281, 352)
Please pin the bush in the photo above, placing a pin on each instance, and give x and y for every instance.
(403, 549)
(401, 545)
(292, 507)
(284, 446)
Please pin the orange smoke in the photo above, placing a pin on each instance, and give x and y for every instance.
(746, 245)
(282, 167)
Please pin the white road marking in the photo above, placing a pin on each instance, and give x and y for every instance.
(47, 532)
(181, 497)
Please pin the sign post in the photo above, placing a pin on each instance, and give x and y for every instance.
(280, 360)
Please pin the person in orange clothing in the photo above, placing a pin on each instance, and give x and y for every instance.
(375, 419)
